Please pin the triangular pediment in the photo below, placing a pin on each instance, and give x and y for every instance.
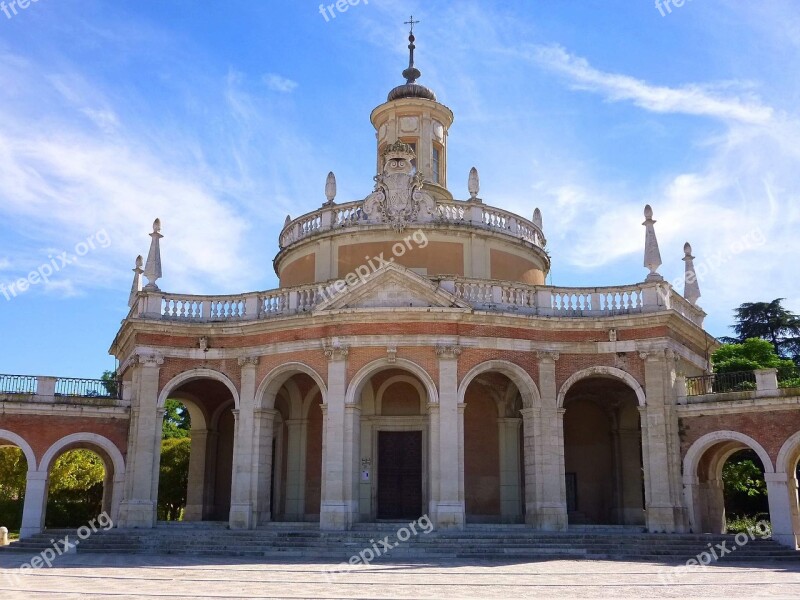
(391, 286)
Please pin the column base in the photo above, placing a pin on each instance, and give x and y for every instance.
(193, 512)
(664, 519)
(241, 516)
(787, 539)
(336, 516)
(26, 532)
(139, 514)
(447, 515)
(548, 518)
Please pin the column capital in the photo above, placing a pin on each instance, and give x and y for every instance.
(656, 354)
(265, 412)
(352, 407)
(149, 359)
(530, 413)
(547, 355)
(248, 361)
(433, 407)
(448, 352)
(335, 351)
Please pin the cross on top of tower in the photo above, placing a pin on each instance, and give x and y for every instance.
(412, 22)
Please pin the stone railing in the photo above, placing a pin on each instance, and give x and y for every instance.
(480, 294)
(29, 385)
(471, 214)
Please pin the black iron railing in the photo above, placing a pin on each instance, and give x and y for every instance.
(17, 384)
(88, 388)
(718, 383)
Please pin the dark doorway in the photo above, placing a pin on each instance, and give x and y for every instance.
(399, 474)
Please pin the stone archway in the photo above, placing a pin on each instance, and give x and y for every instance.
(702, 477)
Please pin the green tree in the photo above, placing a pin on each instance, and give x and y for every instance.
(13, 473)
(173, 478)
(744, 486)
(75, 492)
(111, 383)
(769, 321)
(177, 423)
(751, 354)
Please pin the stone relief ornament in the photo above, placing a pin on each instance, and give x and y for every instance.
(398, 198)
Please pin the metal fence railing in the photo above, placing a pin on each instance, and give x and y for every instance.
(17, 384)
(789, 378)
(88, 388)
(717, 383)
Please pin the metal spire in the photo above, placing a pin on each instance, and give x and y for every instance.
(411, 73)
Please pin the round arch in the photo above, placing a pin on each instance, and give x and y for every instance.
(519, 376)
(703, 443)
(91, 439)
(186, 376)
(790, 450)
(19, 442)
(365, 372)
(197, 416)
(602, 371)
(276, 378)
(413, 381)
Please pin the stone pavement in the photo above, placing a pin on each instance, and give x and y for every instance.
(121, 576)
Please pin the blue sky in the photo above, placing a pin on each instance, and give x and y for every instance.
(223, 117)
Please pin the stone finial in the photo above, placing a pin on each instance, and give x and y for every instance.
(652, 256)
(330, 187)
(152, 270)
(136, 286)
(691, 287)
(537, 218)
(474, 184)
(287, 220)
(4, 536)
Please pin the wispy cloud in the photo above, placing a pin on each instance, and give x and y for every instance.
(280, 84)
(687, 99)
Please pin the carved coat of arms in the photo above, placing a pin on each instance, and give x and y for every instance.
(398, 198)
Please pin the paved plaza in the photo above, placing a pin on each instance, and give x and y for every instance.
(134, 576)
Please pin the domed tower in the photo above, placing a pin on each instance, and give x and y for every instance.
(412, 115)
(452, 238)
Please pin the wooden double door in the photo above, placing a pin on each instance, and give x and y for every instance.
(399, 474)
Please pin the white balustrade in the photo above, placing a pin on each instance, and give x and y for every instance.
(498, 296)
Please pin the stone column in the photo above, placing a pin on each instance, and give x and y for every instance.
(263, 431)
(433, 465)
(663, 500)
(352, 468)
(781, 509)
(35, 503)
(448, 490)
(510, 497)
(545, 487)
(629, 476)
(296, 469)
(138, 508)
(245, 461)
(335, 510)
(197, 473)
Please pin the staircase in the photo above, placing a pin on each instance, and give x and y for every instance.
(299, 541)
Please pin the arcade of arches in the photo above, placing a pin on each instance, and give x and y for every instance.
(492, 445)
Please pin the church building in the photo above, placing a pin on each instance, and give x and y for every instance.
(413, 361)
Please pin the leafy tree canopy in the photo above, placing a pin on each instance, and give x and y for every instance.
(76, 470)
(177, 423)
(768, 321)
(750, 355)
(13, 473)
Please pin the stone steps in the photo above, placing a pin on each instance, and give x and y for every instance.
(475, 542)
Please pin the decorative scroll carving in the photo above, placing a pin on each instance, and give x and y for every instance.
(451, 352)
(398, 198)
